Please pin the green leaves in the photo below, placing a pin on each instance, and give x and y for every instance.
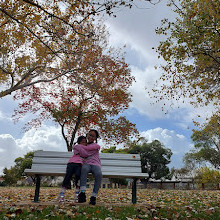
(191, 52)
(154, 158)
(15, 173)
(207, 143)
(208, 176)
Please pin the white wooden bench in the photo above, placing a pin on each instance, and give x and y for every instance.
(53, 163)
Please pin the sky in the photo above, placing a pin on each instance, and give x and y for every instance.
(136, 29)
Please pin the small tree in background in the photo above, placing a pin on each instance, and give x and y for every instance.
(15, 173)
(207, 144)
(10, 176)
(208, 176)
(22, 163)
(154, 159)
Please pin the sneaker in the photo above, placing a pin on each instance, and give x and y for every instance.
(82, 197)
(76, 197)
(61, 197)
(92, 200)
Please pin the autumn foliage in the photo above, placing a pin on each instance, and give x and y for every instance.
(36, 35)
(191, 53)
(95, 102)
(208, 176)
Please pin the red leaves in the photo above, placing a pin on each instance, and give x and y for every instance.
(92, 96)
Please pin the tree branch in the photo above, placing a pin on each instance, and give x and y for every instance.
(26, 84)
(21, 23)
(53, 15)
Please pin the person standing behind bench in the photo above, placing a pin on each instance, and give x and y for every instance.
(81, 150)
(91, 164)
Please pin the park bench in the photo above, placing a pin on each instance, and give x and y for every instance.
(53, 163)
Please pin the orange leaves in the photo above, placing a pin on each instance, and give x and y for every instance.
(111, 204)
(35, 33)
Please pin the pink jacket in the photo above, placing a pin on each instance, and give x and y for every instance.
(82, 151)
(94, 158)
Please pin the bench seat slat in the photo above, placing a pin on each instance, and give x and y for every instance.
(54, 168)
(104, 174)
(121, 175)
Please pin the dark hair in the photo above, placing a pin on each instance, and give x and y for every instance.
(80, 138)
(96, 133)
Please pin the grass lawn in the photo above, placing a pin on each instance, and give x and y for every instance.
(16, 203)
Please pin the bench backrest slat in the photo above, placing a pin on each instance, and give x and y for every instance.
(104, 162)
(54, 154)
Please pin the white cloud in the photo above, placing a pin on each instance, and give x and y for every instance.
(183, 113)
(4, 116)
(9, 151)
(178, 143)
(1, 115)
(45, 138)
(141, 100)
(136, 27)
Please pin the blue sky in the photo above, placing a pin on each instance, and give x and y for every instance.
(136, 29)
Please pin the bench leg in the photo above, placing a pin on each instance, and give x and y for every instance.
(37, 189)
(134, 191)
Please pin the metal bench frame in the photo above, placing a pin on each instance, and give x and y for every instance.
(53, 163)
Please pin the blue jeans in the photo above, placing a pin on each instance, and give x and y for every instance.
(97, 173)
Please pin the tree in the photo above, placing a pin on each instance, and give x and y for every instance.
(22, 163)
(36, 35)
(154, 159)
(10, 176)
(96, 103)
(207, 143)
(191, 52)
(192, 160)
(206, 175)
(15, 173)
